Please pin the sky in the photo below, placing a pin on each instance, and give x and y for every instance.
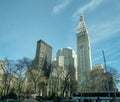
(24, 22)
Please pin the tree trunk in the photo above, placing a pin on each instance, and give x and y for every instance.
(35, 85)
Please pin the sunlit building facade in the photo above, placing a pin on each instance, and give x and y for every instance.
(2, 64)
(1, 68)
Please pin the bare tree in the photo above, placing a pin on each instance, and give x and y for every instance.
(13, 77)
(36, 75)
(55, 81)
(69, 83)
(19, 73)
(62, 80)
(115, 78)
(6, 77)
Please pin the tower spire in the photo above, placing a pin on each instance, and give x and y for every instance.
(81, 17)
(82, 25)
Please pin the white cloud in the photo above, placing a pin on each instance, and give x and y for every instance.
(89, 6)
(61, 6)
(102, 31)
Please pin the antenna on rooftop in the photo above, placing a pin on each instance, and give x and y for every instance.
(104, 60)
(107, 80)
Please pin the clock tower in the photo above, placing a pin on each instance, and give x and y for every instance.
(83, 56)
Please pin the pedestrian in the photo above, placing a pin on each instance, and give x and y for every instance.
(98, 100)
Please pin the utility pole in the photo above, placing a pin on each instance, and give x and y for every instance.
(107, 79)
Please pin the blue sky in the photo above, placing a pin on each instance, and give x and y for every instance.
(24, 22)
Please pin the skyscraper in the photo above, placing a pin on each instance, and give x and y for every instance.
(65, 58)
(43, 56)
(83, 56)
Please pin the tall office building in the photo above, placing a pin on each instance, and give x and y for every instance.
(83, 56)
(66, 58)
(43, 56)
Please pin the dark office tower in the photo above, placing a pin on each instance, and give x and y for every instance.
(43, 56)
(83, 56)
